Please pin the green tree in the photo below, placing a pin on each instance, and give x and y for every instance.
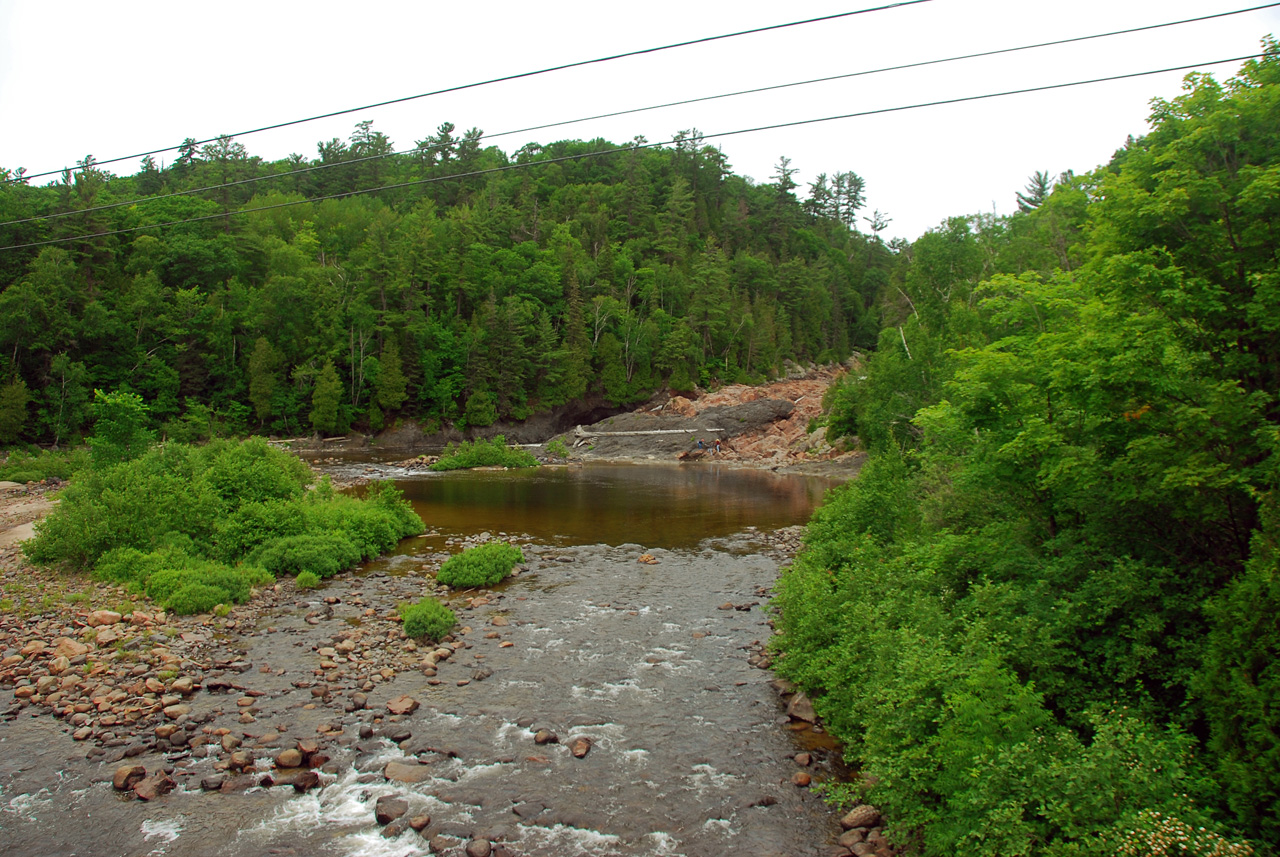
(325, 399)
(264, 377)
(391, 384)
(119, 429)
(14, 397)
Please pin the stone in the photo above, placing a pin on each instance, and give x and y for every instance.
(850, 838)
(229, 742)
(479, 848)
(106, 636)
(420, 822)
(65, 647)
(154, 786)
(212, 783)
(801, 779)
(183, 685)
(389, 808)
(545, 736)
(580, 747)
(863, 815)
(804, 760)
(305, 781)
(99, 618)
(289, 759)
(240, 760)
(406, 772)
(402, 705)
(173, 712)
(127, 776)
(800, 708)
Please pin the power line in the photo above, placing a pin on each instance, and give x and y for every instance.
(426, 150)
(503, 79)
(619, 149)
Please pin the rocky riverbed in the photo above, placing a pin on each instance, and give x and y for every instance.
(605, 700)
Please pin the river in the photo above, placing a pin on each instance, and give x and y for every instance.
(690, 751)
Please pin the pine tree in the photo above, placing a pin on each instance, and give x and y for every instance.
(324, 401)
(391, 382)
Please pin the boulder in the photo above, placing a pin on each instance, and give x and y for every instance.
(99, 618)
(389, 808)
(580, 747)
(479, 848)
(545, 736)
(127, 776)
(65, 647)
(800, 708)
(863, 815)
(402, 705)
(289, 759)
(154, 786)
(406, 772)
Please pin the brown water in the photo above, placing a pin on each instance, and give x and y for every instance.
(691, 754)
(667, 506)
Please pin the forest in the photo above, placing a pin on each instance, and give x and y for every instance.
(1045, 619)
(283, 297)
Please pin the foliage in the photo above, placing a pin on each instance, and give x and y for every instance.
(460, 299)
(1043, 619)
(307, 580)
(195, 527)
(557, 449)
(482, 565)
(119, 432)
(427, 618)
(23, 466)
(483, 453)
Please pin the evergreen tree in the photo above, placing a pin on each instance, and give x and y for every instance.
(325, 399)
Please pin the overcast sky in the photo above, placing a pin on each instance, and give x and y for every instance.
(112, 79)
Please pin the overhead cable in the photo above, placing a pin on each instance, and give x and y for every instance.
(423, 150)
(503, 79)
(618, 149)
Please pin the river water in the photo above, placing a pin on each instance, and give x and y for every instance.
(690, 751)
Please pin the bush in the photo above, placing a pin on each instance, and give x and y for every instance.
(307, 580)
(322, 555)
(483, 565)
(557, 449)
(427, 618)
(483, 453)
(22, 466)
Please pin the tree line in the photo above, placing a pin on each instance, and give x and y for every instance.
(462, 296)
(1045, 620)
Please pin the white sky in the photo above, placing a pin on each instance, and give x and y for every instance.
(111, 79)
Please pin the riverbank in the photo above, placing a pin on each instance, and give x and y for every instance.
(213, 708)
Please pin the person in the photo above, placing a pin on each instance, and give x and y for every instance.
(717, 446)
(700, 445)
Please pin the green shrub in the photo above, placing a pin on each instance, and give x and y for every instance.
(196, 598)
(307, 580)
(557, 449)
(321, 555)
(483, 565)
(22, 466)
(428, 618)
(483, 453)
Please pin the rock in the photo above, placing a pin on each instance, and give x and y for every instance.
(183, 685)
(240, 760)
(154, 786)
(212, 783)
(289, 759)
(804, 760)
(65, 647)
(801, 779)
(800, 708)
(479, 848)
(127, 776)
(420, 822)
(406, 772)
(59, 665)
(229, 743)
(389, 808)
(173, 712)
(99, 618)
(305, 781)
(402, 705)
(850, 838)
(106, 636)
(863, 815)
(580, 747)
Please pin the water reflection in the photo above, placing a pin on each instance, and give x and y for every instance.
(666, 506)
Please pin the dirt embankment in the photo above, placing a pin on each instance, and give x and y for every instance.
(757, 426)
